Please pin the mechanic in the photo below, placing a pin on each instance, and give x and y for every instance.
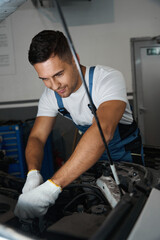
(64, 92)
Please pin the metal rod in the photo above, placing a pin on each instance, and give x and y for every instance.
(88, 94)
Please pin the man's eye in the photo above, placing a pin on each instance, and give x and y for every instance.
(59, 74)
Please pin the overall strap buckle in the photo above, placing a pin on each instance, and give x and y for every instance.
(63, 111)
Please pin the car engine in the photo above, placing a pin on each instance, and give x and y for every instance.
(85, 205)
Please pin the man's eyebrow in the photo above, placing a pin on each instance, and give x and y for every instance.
(56, 74)
(42, 78)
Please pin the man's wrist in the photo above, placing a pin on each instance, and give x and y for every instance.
(53, 182)
(31, 170)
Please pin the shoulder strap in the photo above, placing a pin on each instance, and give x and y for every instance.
(59, 100)
(91, 72)
(62, 109)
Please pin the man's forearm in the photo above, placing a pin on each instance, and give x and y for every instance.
(34, 153)
(86, 154)
(91, 147)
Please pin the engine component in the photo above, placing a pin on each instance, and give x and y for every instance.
(109, 189)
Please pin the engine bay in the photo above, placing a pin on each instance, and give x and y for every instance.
(84, 206)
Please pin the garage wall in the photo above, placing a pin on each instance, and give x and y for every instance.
(103, 43)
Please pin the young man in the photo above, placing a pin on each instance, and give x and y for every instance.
(51, 57)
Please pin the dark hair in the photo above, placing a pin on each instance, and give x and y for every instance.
(46, 43)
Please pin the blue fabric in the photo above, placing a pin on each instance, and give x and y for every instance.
(61, 109)
(59, 100)
(91, 72)
(117, 147)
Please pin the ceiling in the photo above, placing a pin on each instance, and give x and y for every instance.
(7, 7)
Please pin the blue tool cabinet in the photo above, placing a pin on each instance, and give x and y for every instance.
(12, 144)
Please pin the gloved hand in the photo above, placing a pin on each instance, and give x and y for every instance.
(36, 202)
(34, 179)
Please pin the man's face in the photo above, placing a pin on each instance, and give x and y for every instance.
(59, 76)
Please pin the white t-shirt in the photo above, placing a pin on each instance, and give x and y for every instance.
(108, 84)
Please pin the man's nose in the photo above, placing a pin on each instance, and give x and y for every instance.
(54, 84)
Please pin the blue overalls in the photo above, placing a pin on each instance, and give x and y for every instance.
(126, 144)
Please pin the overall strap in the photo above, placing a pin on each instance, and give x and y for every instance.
(59, 100)
(91, 72)
(62, 109)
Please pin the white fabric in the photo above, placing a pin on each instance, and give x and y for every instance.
(34, 179)
(36, 202)
(108, 84)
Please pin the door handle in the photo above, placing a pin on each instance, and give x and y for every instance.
(142, 109)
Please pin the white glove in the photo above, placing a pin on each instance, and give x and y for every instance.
(36, 202)
(34, 179)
